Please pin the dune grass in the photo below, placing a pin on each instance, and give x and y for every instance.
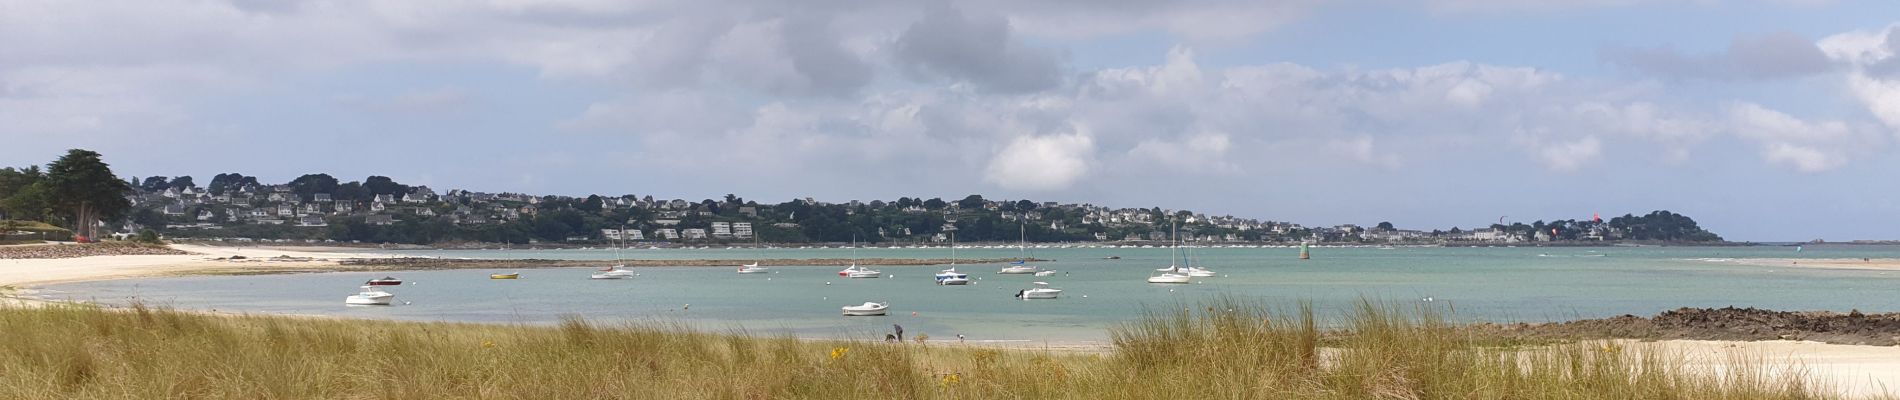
(1220, 350)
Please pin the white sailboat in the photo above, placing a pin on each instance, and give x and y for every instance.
(1195, 270)
(950, 276)
(1041, 291)
(754, 267)
(1022, 246)
(619, 271)
(613, 272)
(855, 271)
(1171, 274)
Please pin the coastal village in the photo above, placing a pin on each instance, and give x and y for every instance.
(315, 208)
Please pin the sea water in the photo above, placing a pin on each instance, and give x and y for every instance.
(1499, 284)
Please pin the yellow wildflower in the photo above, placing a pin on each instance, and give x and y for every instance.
(488, 344)
(838, 353)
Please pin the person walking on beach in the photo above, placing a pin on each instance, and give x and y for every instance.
(900, 331)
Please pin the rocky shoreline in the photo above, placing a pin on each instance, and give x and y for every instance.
(1728, 323)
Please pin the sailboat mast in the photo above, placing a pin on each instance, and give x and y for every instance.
(1175, 250)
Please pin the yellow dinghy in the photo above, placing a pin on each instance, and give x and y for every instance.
(516, 275)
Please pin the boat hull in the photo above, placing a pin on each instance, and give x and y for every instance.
(953, 281)
(753, 270)
(866, 310)
(1018, 270)
(1168, 278)
(369, 300)
(504, 276)
(1041, 294)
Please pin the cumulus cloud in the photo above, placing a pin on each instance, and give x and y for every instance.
(977, 49)
(1568, 156)
(1770, 56)
(1201, 153)
(1042, 162)
(1803, 145)
(1874, 78)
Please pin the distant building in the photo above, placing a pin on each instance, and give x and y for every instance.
(312, 220)
(694, 234)
(381, 219)
(668, 233)
(742, 229)
(721, 230)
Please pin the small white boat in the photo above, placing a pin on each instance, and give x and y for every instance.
(1022, 249)
(753, 268)
(1198, 272)
(370, 296)
(1168, 277)
(1041, 291)
(1046, 273)
(867, 309)
(1018, 269)
(952, 277)
(614, 272)
(855, 271)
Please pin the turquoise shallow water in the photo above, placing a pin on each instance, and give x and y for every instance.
(1491, 284)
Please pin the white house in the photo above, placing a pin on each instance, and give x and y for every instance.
(742, 229)
(721, 229)
(694, 234)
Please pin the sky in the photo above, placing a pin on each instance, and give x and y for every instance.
(1764, 120)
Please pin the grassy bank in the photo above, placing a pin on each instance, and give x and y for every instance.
(1219, 350)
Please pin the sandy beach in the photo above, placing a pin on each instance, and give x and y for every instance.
(22, 273)
(1873, 264)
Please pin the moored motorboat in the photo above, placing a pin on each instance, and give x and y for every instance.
(1046, 273)
(869, 308)
(516, 275)
(753, 268)
(384, 281)
(1041, 291)
(369, 296)
(1198, 272)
